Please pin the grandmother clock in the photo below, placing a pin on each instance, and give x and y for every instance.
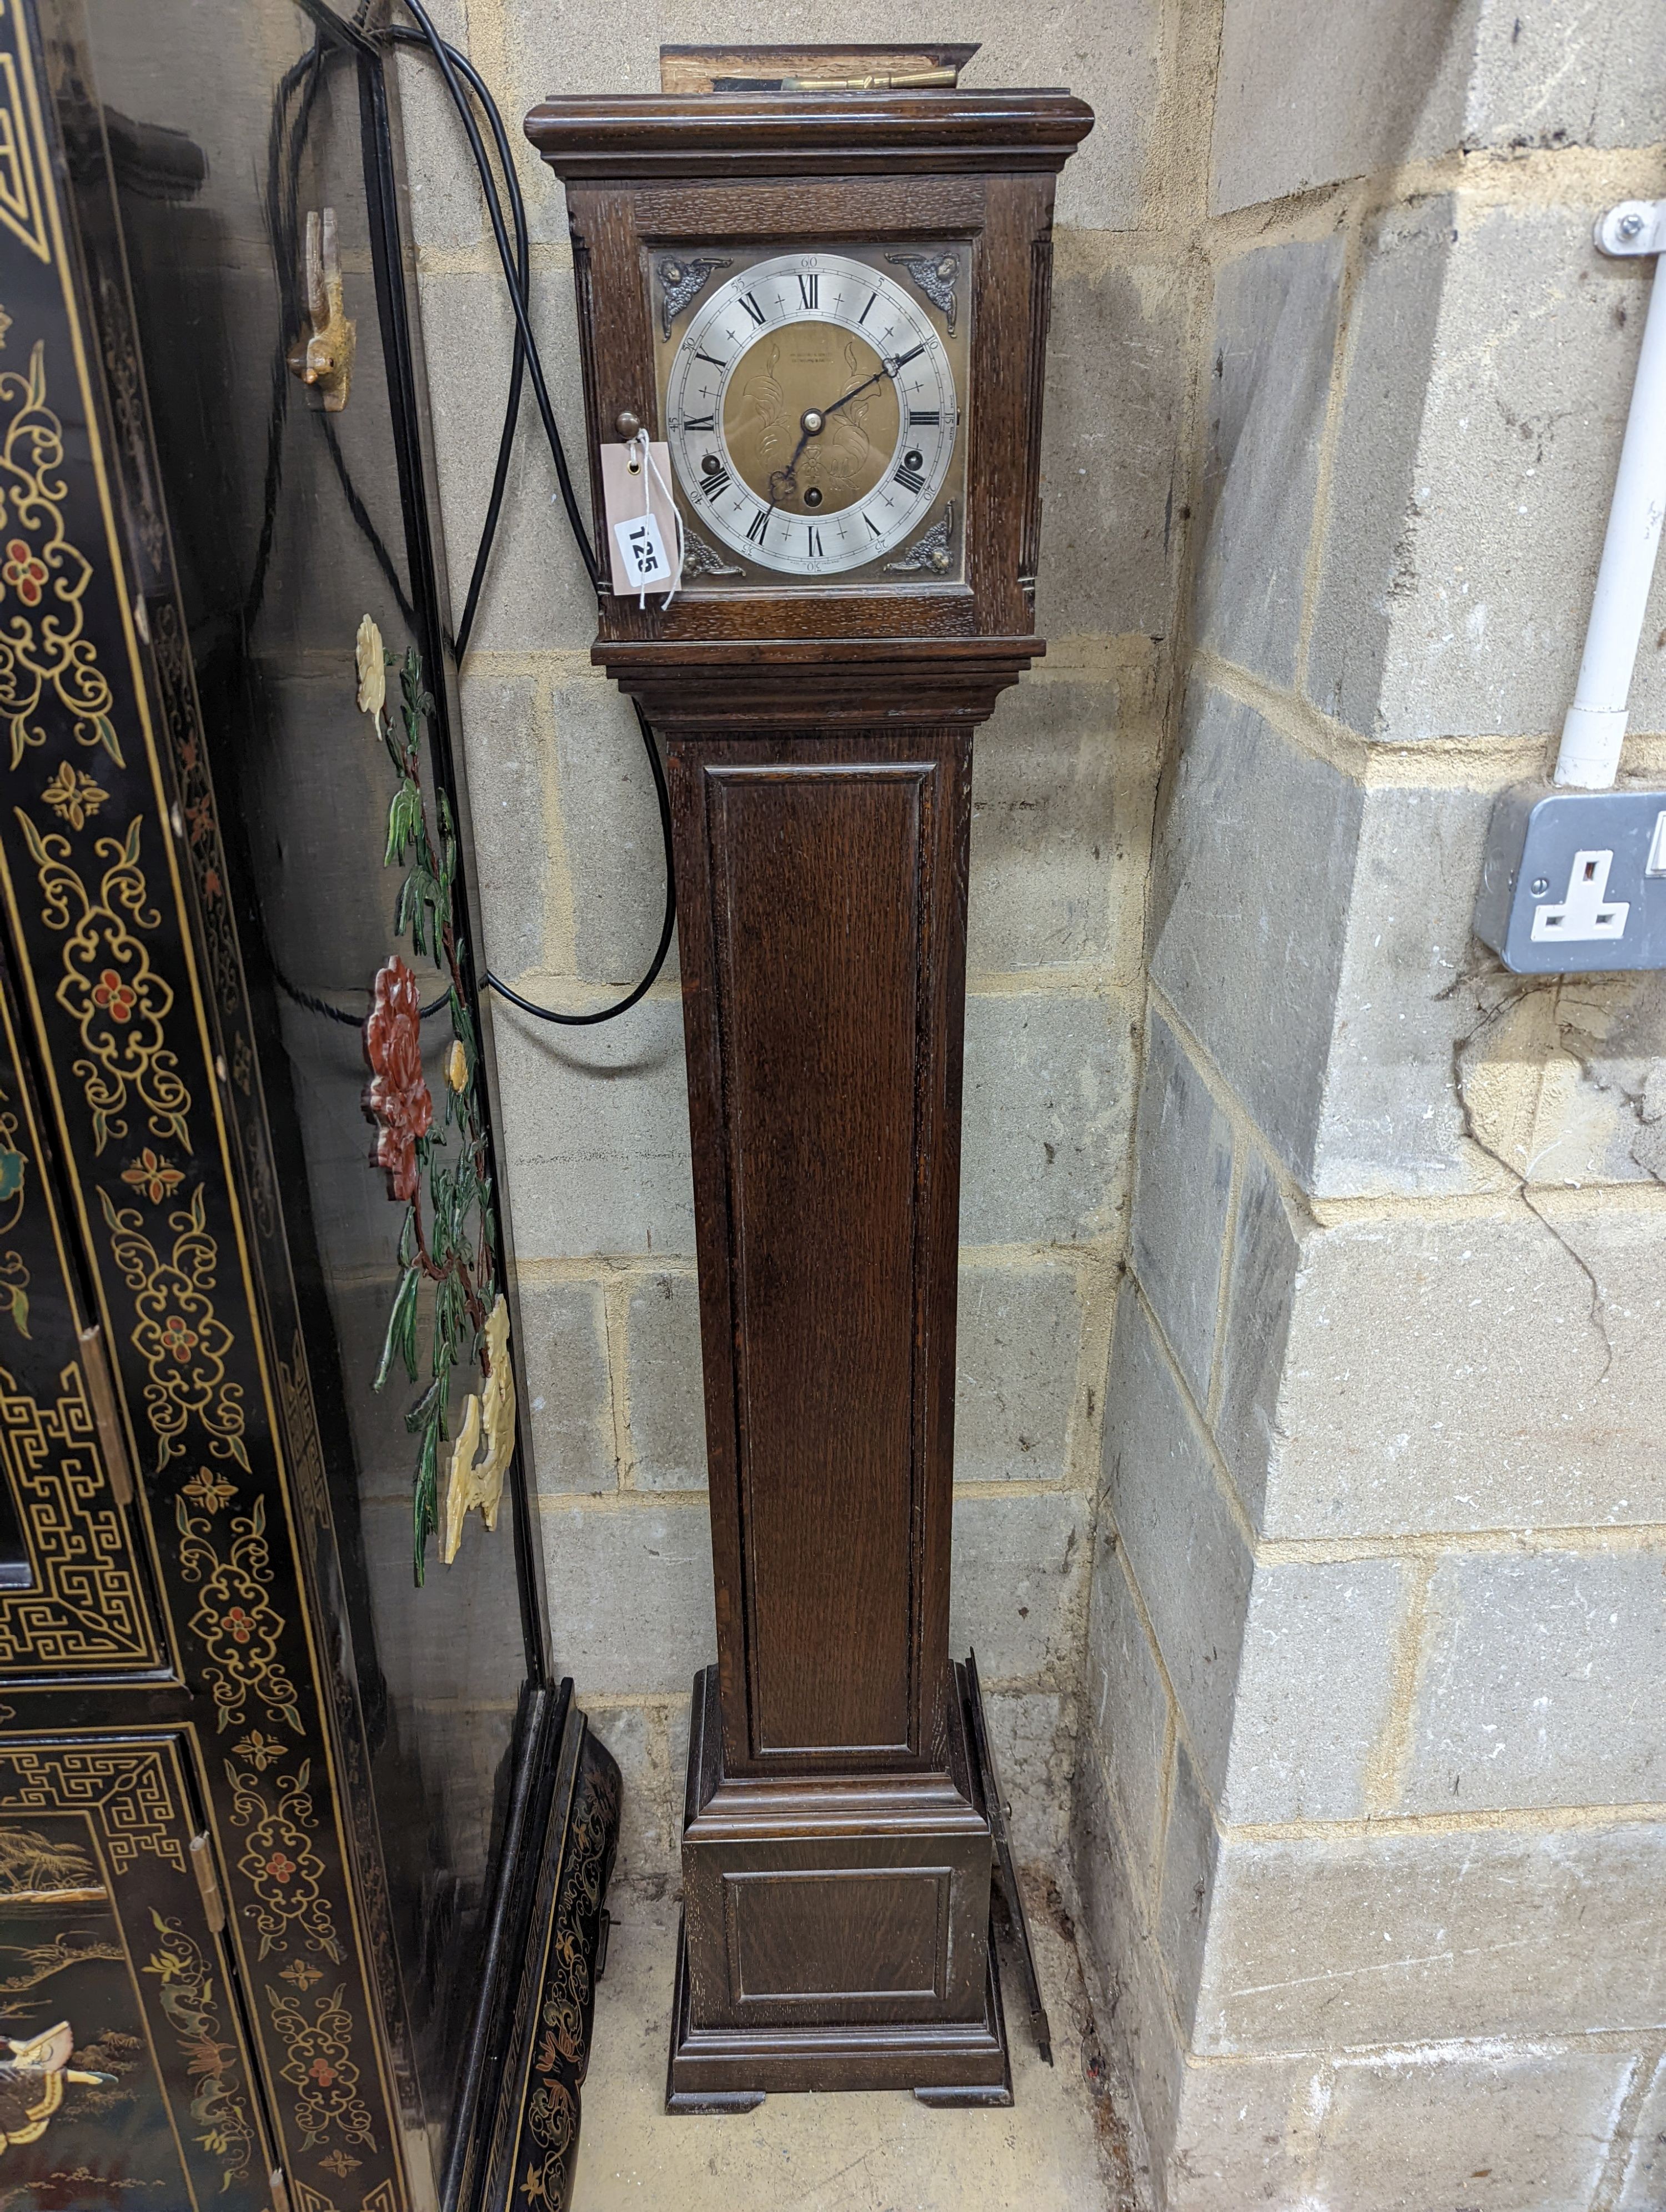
(832, 306)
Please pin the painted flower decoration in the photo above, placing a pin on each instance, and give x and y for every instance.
(397, 1096)
(24, 571)
(279, 1868)
(74, 797)
(239, 1624)
(207, 1488)
(117, 998)
(370, 658)
(177, 1341)
(158, 1178)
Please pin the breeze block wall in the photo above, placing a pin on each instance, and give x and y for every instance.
(596, 1131)
(1371, 1814)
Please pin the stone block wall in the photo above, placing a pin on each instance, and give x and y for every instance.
(596, 1133)
(1371, 1782)
(1311, 1519)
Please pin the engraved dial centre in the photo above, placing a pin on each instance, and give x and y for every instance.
(809, 408)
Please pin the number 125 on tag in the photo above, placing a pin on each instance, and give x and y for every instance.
(644, 551)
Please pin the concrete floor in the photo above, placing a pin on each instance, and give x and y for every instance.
(1061, 2147)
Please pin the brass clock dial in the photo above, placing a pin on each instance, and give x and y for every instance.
(811, 403)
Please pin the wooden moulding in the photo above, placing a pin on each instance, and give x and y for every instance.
(616, 137)
(816, 683)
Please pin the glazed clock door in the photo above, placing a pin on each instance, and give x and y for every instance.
(814, 403)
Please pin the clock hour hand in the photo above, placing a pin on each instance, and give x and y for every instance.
(786, 478)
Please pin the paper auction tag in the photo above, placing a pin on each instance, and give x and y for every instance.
(642, 523)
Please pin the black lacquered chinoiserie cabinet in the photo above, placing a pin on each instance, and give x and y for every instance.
(302, 1850)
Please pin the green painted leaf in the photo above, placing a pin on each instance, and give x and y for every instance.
(400, 1342)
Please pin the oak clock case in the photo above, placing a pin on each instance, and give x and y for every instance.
(813, 402)
(816, 684)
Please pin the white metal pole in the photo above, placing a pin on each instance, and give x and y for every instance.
(1594, 728)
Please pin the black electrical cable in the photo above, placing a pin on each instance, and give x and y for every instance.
(506, 441)
(310, 1004)
(516, 278)
(281, 194)
(518, 298)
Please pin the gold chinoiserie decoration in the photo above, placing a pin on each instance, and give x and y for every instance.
(31, 2083)
(109, 988)
(43, 579)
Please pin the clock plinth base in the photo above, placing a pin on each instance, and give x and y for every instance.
(716, 2070)
(835, 1931)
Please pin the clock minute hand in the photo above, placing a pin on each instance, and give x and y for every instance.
(885, 369)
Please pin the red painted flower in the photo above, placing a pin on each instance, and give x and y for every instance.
(279, 1868)
(239, 1625)
(322, 2072)
(397, 1096)
(25, 574)
(117, 998)
(177, 1341)
(155, 1177)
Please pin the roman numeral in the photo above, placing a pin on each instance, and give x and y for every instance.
(752, 307)
(862, 318)
(712, 358)
(710, 421)
(813, 547)
(713, 484)
(924, 418)
(904, 359)
(810, 290)
(757, 526)
(909, 480)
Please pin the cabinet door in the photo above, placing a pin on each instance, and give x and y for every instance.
(129, 2082)
(76, 1600)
